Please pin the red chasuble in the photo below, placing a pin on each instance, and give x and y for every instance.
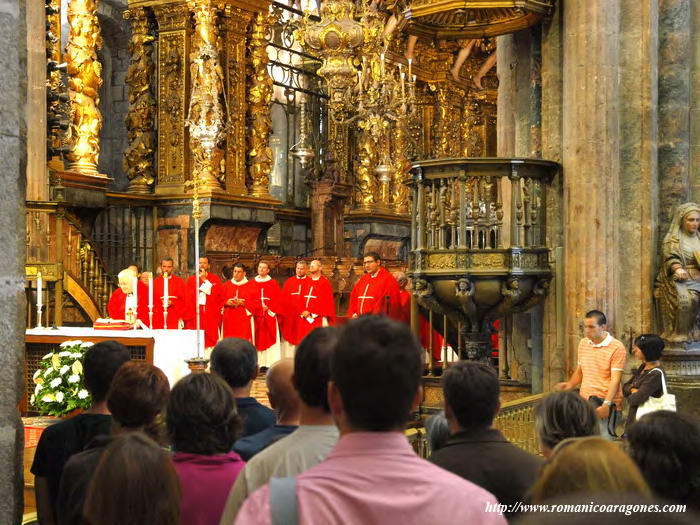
(405, 302)
(210, 304)
(294, 289)
(423, 326)
(318, 301)
(238, 320)
(176, 294)
(369, 295)
(267, 323)
(116, 308)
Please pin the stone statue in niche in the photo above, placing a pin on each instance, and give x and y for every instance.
(677, 287)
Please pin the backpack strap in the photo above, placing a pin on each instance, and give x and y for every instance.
(284, 507)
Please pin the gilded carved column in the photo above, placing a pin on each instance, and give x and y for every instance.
(235, 25)
(173, 159)
(84, 72)
(206, 118)
(259, 99)
(400, 166)
(140, 120)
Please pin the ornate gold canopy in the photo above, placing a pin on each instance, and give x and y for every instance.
(455, 19)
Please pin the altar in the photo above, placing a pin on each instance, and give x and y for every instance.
(166, 349)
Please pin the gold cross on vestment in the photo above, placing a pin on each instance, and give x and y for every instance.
(263, 298)
(298, 292)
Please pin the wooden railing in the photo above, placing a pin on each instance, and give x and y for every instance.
(69, 263)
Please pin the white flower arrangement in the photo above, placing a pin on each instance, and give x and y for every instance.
(59, 381)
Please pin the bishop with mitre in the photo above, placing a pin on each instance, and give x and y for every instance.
(204, 291)
(377, 292)
(168, 297)
(267, 319)
(240, 304)
(127, 304)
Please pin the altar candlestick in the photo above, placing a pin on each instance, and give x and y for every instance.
(410, 61)
(39, 291)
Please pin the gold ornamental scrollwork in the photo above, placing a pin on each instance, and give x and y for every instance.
(488, 260)
(259, 100)
(84, 72)
(446, 261)
(206, 117)
(140, 120)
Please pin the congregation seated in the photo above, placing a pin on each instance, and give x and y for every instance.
(284, 400)
(591, 465)
(236, 361)
(60, 441)
(137, 395)
(373, 476)
(203, 424)
(666, 447)
(562, 415)
(312, 441)
(134, 483)
(476, 451)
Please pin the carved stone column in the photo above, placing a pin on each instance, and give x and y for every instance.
(140, 121)
(84, 71)
(206, 118)
(327, 224)
(173, 159)
(259, 99)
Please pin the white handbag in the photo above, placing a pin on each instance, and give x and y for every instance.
(665, 402)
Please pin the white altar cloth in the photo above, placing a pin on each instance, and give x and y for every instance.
(171, 348)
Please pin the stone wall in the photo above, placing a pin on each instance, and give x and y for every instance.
(13, 86)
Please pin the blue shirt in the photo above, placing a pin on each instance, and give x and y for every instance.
(247, 447)
(256, 417)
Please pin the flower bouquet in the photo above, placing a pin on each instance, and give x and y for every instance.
(59, 383)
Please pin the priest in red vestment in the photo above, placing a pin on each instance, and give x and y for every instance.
(175, 300)
(124, 304)
(240, 304)
(267, 325)
(294, 289)
(423, 324)
(377, 292)
(318, 306)
(205, 292)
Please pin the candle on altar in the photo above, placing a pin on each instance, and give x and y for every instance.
(381, 65)
(410, 61)
(39, 291)
(403, 84)
(165, 291)
(135, 288)
(150, 292)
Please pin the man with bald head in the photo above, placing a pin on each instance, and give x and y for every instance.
(284, 400)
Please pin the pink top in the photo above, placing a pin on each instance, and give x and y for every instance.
(205, 482)
(376, 478)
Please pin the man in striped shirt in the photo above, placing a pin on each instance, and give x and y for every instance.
(601, 361)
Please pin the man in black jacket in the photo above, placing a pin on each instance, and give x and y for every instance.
(476, 451)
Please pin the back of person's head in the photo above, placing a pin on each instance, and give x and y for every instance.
(376, 369)
(202, 416)
(138, 394)
(135, 482)
(562, 415)
(471, 394)
(280, 390)
(666, 447)
(438, 429)
(236, 360)
(591, 464)
(101, 362)
(312, 366)
(651, 345)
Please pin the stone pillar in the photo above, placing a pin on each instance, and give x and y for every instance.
(638, 204)
(37, 172)
(591, 163)
(13, 163)
(674, 105)
(695, 103)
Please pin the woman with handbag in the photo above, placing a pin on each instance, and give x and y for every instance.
(646, 382)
